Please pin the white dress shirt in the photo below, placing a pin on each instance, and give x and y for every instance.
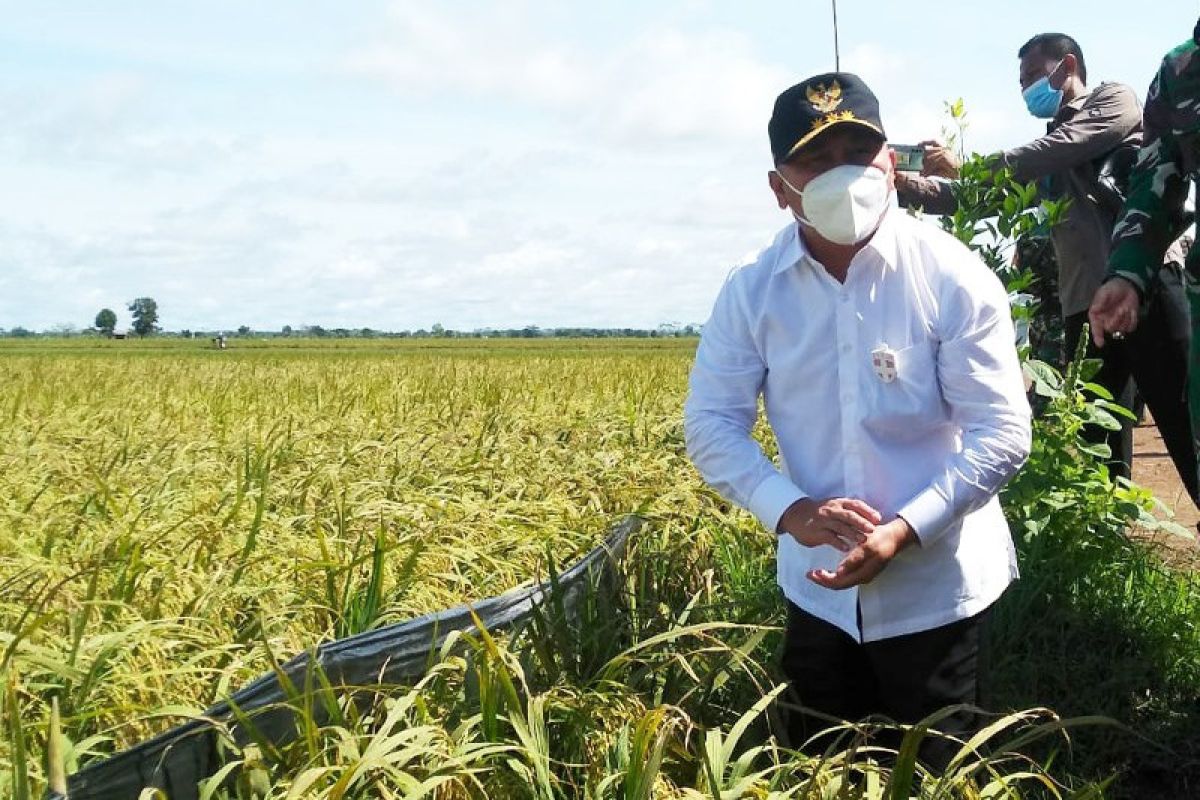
(931, 440)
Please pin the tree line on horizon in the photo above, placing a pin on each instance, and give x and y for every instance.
(145, 322)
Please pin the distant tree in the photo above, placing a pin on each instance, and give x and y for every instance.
(106, 321)
(20, 332)
(438, 330)
(145, 315)
(243, 330)
(287, 330)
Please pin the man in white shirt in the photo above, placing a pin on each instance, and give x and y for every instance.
(884, 352)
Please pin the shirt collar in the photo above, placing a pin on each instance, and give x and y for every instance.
(1070, 109)
(884, 241)
(793, 251)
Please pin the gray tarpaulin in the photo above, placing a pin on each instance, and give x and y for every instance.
(175, 761)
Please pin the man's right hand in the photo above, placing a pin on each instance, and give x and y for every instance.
(841, 522)
(1114, 310)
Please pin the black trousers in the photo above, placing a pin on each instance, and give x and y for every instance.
(1154, 357)
(904, 678)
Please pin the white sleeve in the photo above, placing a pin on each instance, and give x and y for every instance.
(980, 379)
(721, 409)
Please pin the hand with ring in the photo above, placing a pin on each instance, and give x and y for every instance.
(1114, 310)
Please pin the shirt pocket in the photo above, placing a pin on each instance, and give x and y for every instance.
(910, 404)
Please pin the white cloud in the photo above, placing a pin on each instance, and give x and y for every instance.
(110, 120)
(474, 164)
(673, 85)
(428, 51)
(662, 85)
(354, 268)
(529, 259)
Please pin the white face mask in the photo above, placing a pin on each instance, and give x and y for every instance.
(846, 204)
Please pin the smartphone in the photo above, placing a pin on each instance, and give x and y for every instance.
(909, 157)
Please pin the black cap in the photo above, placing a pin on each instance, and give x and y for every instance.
(817, 104)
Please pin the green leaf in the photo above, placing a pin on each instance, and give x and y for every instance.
(1116, 409)
(1047, 382)
(1098, 449)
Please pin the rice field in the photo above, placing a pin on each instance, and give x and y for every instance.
(175, 519)
(165, 511)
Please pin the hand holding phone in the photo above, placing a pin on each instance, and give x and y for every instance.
(940, 161)
(909, 157)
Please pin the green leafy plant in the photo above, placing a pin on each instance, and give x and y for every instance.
(1098, 624)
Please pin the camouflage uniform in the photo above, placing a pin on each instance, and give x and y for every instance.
(1169, 159)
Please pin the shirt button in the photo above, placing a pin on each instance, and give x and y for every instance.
(845, 348)
(845, 297)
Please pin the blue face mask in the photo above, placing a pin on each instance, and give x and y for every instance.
(1042, 100)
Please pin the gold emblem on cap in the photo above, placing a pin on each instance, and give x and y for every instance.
(825, 99)
(829, 119)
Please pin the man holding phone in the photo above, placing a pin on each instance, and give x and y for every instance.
(1085, 126)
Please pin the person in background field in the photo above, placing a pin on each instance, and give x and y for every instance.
(1089, 130)
(1154, 213)
(883, 351)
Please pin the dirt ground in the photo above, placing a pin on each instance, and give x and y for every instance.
(1152, 468)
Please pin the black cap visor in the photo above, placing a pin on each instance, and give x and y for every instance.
(825, 125)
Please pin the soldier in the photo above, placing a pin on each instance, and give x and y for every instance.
(1154, 213)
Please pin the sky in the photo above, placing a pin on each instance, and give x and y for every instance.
(396, 165)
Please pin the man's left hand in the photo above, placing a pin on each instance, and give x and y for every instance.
(868, 559)
(940, 161)
(1114, 310)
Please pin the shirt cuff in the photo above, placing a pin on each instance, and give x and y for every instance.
(926, 515)
(1133, 280)
(773, 497)
(1128, 262)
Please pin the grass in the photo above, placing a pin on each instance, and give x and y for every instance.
(1099, 623)
(171, 515)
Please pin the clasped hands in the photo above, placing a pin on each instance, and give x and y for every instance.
(853, 527)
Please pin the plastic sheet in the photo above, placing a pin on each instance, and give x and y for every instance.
(177, 760)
